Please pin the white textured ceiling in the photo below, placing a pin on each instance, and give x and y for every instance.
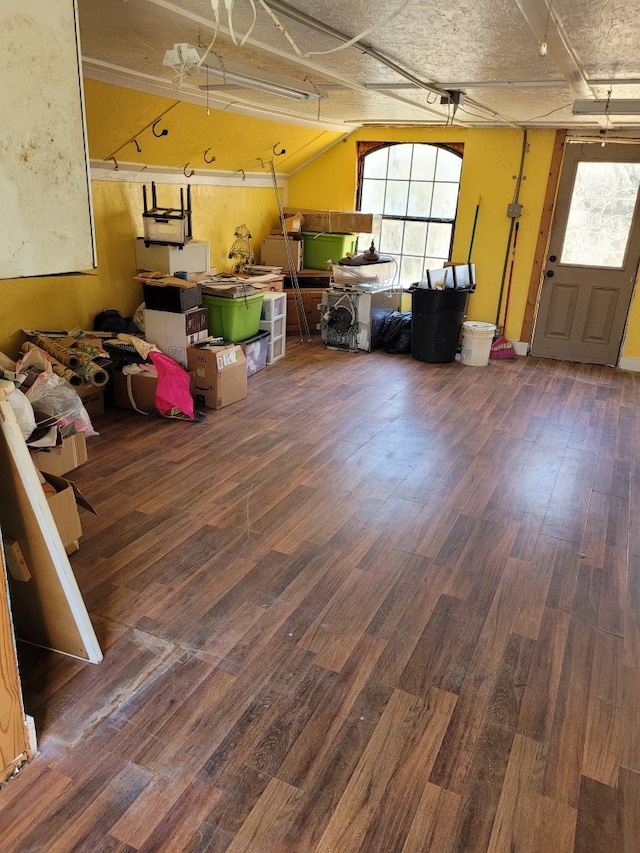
(490, 50)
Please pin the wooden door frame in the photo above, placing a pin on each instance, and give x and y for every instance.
(544, 233)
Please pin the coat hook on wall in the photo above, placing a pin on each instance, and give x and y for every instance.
(163, 132)
(244, 177)
(261, 161)
(278, 153)
(138, 149)
(188, 174)
(208, 159)
(116, 167)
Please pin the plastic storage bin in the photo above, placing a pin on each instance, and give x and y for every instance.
(436, 323)
(255, 350)
(233, 319)
(321, 249)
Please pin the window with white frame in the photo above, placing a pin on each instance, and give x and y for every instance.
(414, 187)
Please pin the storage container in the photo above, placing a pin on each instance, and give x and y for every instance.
(276, 327)
(255, 350)
(276, 349)
(274, 305)
(233, 319)
(321, 249)
(274, 252)
(169, 297)
(192, 257)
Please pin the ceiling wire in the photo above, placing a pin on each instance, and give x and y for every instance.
(543, 44)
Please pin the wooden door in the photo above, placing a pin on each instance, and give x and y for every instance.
(16, 744)
(593, 255)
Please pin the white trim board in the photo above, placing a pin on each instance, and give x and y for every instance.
(629, 364)
(105, 170)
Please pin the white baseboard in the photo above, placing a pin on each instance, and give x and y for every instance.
(629, 364)
(521, 347)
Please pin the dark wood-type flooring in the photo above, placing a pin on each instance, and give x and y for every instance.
(380, 606)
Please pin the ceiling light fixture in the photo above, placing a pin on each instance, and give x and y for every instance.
(607, 108)
(237, 80)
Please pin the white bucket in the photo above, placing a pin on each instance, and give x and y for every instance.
(476, 343)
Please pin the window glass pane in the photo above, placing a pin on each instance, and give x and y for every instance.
(424, 163)
(449, 166)
(372, 200)
(439, 240)
(420, 195)
(375, 164)
(434, 263)
(415, 238)
(391, 236)
(411, 270)
(445, 201)
(600, 214)
(395, 203)
(400, 161)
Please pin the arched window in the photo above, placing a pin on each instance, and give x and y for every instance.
(415, 189)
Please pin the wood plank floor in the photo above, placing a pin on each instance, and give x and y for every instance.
(380, 606)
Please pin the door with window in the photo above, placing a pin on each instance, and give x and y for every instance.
(593, 255)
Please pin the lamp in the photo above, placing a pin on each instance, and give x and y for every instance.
(238, 80)
(606, 108)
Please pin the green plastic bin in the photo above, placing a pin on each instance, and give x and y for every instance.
(233, 319)
(320, 248)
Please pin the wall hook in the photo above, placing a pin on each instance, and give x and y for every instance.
(138, 149)
(208, 159)
(163, 132)
(244, 177)
(261, 161)
(116, 167)
(190, 174)
(278, 153)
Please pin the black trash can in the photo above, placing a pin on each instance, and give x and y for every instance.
(436, 323)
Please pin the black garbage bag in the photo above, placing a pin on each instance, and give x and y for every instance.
(395, 332)
(111, 320)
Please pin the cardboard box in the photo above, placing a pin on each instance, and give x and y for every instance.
(255, 350)
(220, 375)
(92, 399)
(274, 253)
(134, 391)
(292, 224)
(137, 391)
(339, 221)
(173, 333)
(64, 509)
(63, 458)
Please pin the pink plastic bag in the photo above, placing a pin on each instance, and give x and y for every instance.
(173, 386)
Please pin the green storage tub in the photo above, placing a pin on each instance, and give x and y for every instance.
(320, 249)
(233, 319)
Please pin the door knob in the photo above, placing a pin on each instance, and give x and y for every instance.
(550, 273)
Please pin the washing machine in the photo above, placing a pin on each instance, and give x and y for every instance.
(351, 318)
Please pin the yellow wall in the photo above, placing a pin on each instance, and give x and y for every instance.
(490, 164)
(60, 302)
